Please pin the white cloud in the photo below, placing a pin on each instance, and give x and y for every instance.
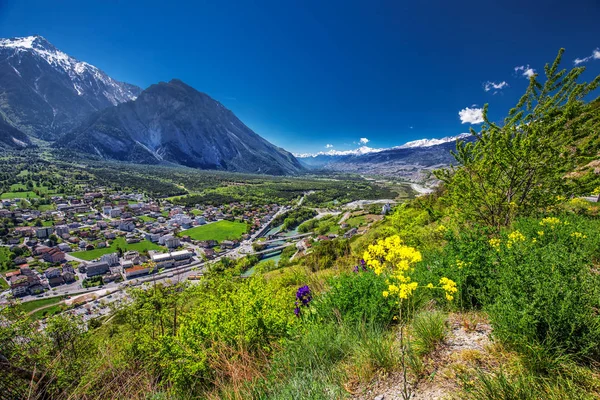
(595, 56)
(328, 146)
(363, 140)
(527, 71)
(489, 85)
(471, 115)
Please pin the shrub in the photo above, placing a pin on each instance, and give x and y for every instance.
(356, 297)
(547, 294)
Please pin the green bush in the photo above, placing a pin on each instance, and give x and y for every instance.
(357, 297)
(547, 293)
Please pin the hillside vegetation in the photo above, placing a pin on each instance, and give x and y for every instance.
(488, 288)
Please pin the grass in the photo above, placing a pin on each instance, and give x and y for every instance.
(47, 223)
(46, 207)
(46, 312)
(218, 231)
(3, 284)
(19, 195)
(142, 246)
(5, 261)
(146, 218)
(357, 221)
(428, 329)
(35, 304)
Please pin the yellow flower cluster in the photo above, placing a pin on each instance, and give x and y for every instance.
(540, 233)
(514, 237)
(578, 202)
(441, 229)
(578, 235)
(495, 243)
(449, 287)
(461, 264)
(390, 254)
(552, 222)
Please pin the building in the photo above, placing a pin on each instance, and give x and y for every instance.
(64, 247)
(350, 233)
(131, 255)
(69, 277)
(126, 225)
(173, 259)
(228, 244)
(136, 270)
(386, 208)
(111, 259)
(61, 230)
(97, 268)
(170, 241)
(56, 281)
(44, 232)
(153, 237)
(52, 273)
(115, 213)
(54, 255)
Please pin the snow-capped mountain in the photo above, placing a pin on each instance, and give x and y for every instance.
(367, 150)
(45, 92)
(432, 142)
(413, 160)
(355, 152)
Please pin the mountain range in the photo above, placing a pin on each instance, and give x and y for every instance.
(49, 97)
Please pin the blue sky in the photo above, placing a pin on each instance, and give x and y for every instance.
(304, 74)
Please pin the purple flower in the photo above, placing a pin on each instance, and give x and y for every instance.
(303, 297)
(362, 262)
(355, 269)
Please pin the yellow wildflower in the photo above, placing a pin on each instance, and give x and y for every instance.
(552, 222)
(495, 243)
(449, 287)
(578, 235)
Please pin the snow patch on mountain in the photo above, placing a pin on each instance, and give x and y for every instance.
(85, 77)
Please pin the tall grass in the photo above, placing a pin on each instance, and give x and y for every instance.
(428, 329)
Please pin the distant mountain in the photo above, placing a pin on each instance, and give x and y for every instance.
(373, 160)
(411, 163)
(174, 122)
(45, 92)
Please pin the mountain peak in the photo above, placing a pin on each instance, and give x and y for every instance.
(51, 91)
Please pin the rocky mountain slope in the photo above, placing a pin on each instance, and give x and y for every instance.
(45, 92)
(176, 123)
(11, 137)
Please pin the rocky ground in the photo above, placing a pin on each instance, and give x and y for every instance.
(467, 346)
